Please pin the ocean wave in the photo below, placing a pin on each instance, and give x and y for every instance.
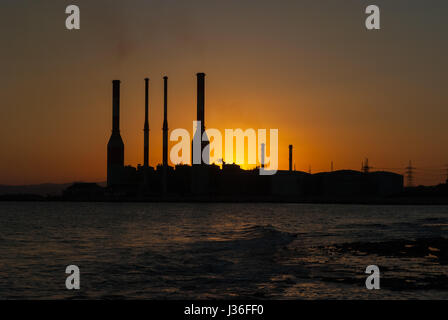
(434, 248)
(268, 233)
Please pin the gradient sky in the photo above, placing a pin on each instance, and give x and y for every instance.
(336, 91)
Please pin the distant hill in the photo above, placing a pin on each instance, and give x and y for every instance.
(38, 189)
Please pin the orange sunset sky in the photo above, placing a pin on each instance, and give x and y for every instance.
(334, 90)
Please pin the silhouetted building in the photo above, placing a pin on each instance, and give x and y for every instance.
(350, 183)
(289, 183)
(202, 180)
(341, 183)
(386, 183)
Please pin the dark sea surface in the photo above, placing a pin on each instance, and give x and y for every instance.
(222, 250)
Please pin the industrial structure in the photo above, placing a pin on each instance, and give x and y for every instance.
(229, 180)
(115, 147)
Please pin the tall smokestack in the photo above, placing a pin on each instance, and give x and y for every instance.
(263, 153)
(290, 157)
(146, 128)
(115, 146)
(201, 100)
(116, 106)
(200, 116)
(165, 121)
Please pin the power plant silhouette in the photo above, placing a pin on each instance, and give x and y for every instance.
(204, 181)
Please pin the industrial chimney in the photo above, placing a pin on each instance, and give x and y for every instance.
(290, 157)
(263, 153)
(201, 117)
(201, 100)
(115, 147)
(165, 122)
(146, 128)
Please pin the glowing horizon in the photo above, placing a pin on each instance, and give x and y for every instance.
(335, 91)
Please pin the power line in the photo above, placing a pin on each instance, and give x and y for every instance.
(378, 168)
